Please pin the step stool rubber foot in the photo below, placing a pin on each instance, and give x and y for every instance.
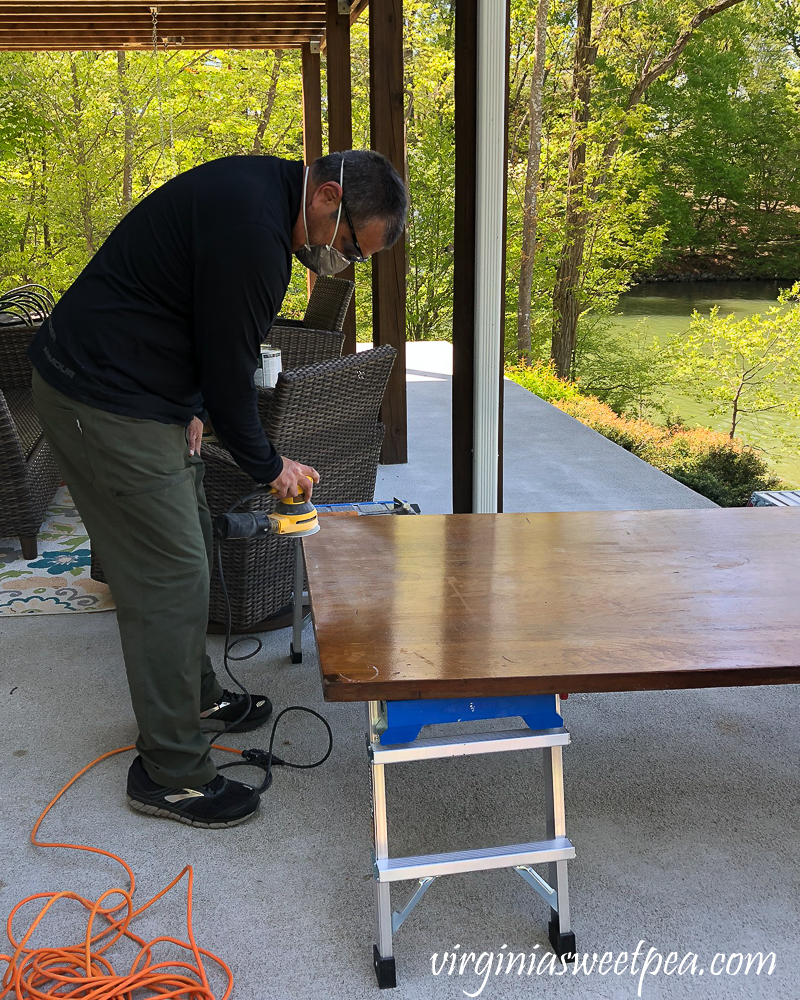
(294, 657)
(563, 944)
(384, 970)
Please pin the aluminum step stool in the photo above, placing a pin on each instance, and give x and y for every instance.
(392, 737)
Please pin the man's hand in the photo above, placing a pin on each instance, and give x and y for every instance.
(194, 435)
(294, 478)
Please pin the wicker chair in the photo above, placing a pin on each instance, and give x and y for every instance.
(300, 347)
(328, 302)
(319, 336)
(29, 477)
(325, 415)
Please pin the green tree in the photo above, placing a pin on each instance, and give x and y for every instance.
(726, 139)
(655, 51)
(430, 152)
(630, 374)
(743, 367)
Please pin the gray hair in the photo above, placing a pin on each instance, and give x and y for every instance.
(373, 188)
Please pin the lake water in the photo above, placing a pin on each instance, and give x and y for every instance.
(666, 308)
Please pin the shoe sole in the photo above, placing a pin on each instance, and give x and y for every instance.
(152, 810)
(217, 726)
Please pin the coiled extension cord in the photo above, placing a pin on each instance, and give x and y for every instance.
(84, 971)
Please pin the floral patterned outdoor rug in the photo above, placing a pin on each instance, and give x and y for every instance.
(58, 580)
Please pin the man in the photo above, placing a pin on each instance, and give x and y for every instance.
(162, 326)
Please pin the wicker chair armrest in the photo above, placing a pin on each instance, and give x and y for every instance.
(15, 369)
(12, 458)
(265, 398)
(283, 321)
(219, 456)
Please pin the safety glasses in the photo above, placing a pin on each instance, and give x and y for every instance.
(358, 257)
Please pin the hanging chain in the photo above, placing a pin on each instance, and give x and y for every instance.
(173, 163)
(154, 11)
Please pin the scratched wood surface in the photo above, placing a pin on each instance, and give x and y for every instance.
(465, 605)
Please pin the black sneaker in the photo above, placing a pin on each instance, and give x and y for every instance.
(230, 707)
(220, 803)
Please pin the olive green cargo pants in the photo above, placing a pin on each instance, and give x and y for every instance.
(141, 498)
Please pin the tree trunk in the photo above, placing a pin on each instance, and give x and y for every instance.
(530, 206)
(127, 119)
(32, 197)
(566, 294)
(735, 413)
(81, 159)
(266, 111)
(43, 204)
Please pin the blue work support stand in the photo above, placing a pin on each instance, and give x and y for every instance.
(393, 730)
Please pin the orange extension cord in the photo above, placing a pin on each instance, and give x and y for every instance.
(84, 971)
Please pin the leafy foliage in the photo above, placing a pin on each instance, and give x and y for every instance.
(630, 374)
(541, 379)
(743, 367)
(727, 472)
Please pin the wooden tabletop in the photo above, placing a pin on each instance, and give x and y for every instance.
(465, 605)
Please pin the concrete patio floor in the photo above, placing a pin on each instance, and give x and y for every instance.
(683, 806)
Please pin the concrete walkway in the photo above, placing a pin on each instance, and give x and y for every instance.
(683, 806)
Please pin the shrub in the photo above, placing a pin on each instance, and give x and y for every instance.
(725, 471)
(725, 474)
(633, 435)
(540, 378)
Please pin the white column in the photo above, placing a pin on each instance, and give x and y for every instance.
(491, 98)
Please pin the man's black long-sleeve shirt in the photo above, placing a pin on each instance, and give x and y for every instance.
(167, 317)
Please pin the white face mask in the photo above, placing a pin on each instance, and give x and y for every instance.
(322, 259)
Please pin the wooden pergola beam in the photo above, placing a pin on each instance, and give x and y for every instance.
(47, 10)
(60, 25)
(340, 123)
(311, 71)
(166, 24)
(387, 136)
(26, 43)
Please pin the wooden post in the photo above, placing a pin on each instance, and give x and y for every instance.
(387, 136)
(340, 118)
(312, 114)
(466, 66)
